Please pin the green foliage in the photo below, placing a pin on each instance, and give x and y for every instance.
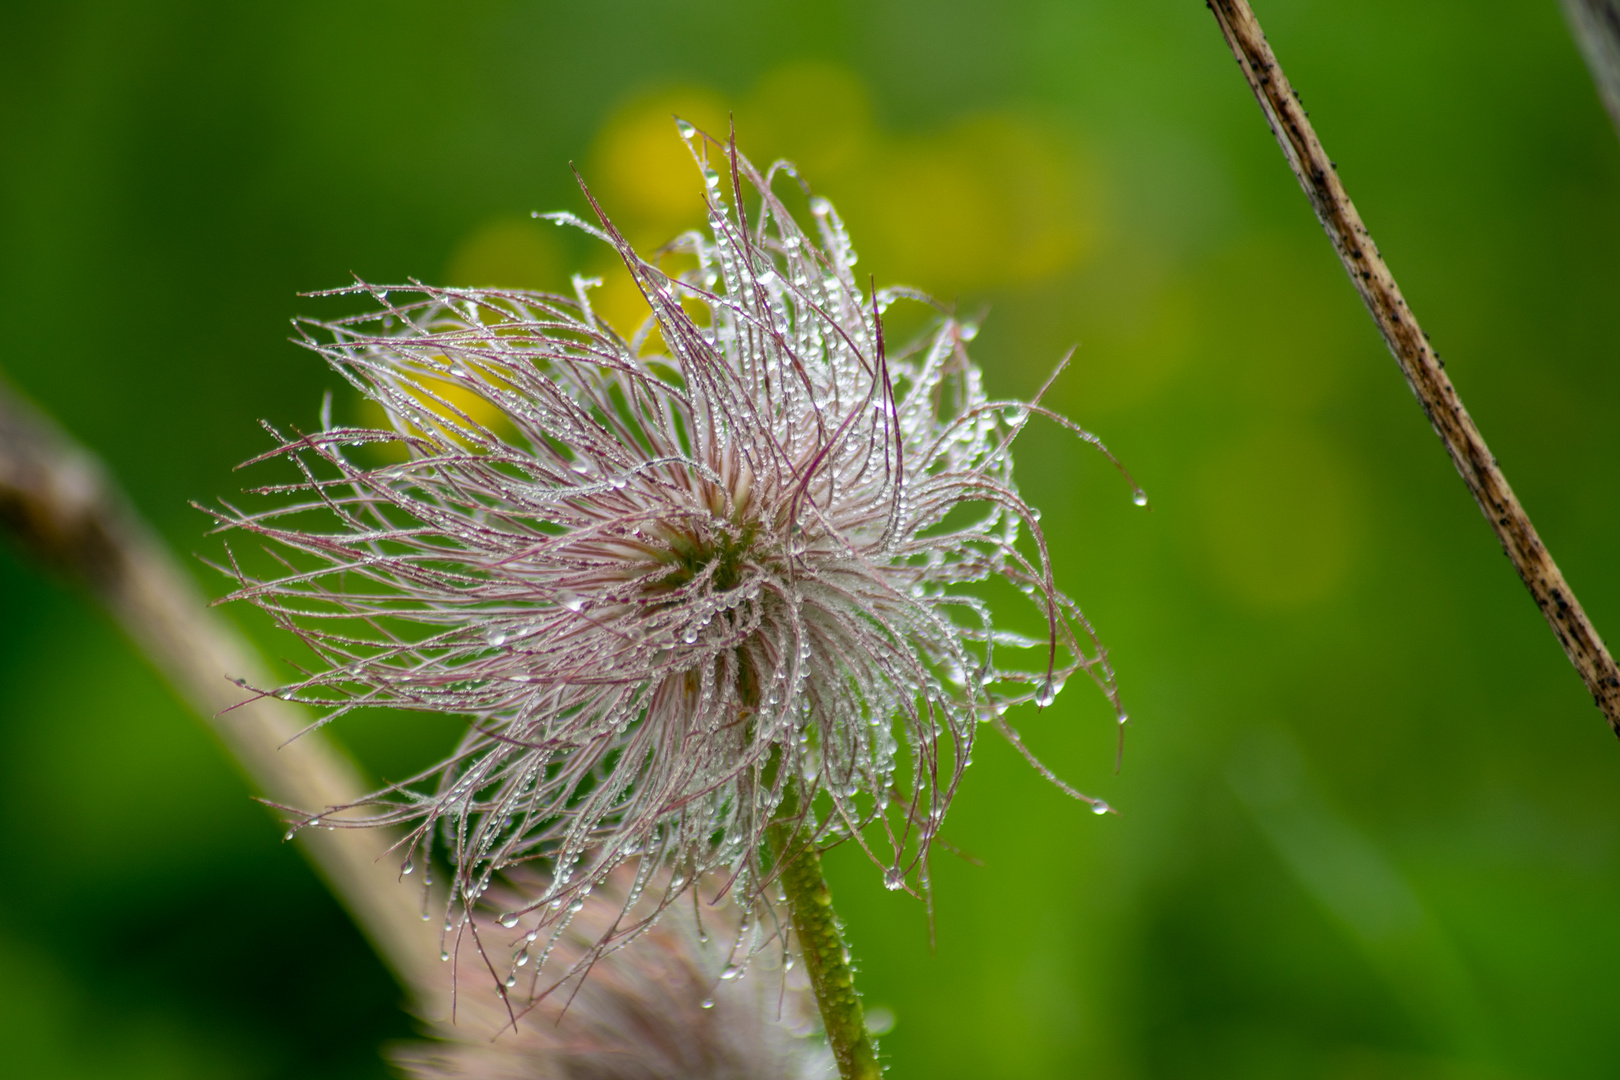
(1369, 827)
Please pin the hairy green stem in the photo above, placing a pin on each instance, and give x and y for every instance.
(822, 945)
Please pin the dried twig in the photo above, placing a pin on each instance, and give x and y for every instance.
(1596, 24)
(1423, 370)
(56, 499)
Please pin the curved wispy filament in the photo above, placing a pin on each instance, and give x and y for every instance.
(664, 576)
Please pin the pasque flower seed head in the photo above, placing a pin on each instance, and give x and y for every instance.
(671, 1005)
(753, 545)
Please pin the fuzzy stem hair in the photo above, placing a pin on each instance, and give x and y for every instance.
(821, 944)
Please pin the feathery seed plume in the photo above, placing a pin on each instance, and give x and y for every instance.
(751, 547)
(668, 1006)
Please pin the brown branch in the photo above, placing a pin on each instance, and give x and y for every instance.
(1423, 370)
(59, 502)
(1596, 24)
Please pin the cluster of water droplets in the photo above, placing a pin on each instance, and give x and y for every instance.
(666, 575)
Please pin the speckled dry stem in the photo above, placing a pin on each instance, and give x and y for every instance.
(1422, 368)
(58, 502)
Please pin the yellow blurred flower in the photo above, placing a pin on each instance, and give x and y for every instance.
(995, 200)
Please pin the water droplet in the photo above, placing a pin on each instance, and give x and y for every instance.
(969, 331)
(820, 206)
(706, 1003)
(576, 906)
(731, 972)
(408, 867)
(1100, 807)
(511, 980)
(691, 635)
(1140, 498)
(1046, 693)
(509, 920)
(893, 878)
(444, 955)
(686, 130)
(495, 636)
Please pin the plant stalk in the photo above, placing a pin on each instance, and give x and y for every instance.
(58, 501)
(1596, 24)
(822, 944)
(1424, 371)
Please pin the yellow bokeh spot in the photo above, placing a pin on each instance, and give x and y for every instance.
(1281, 518)
(617, 301)
(814, 114)
(642, 170)
(457, 398)
(508, 253)
(995, 200)
(445, 400)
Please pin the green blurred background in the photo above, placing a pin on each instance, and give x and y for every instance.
(1370, 821)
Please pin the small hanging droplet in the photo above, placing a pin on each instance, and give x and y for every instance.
(1045, 694)
(1140, 498)
(1100, 807)
(509, 920)
(706, 1003)
(731, 972)
(686, 130)
(894, 878)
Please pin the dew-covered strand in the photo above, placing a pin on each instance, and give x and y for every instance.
(645, 565)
